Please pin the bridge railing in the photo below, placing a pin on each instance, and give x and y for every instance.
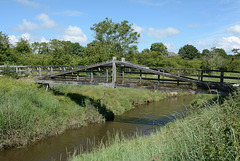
(130, 75)
(38, 70)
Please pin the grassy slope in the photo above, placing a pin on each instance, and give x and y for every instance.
(29, 113)
(209, 133)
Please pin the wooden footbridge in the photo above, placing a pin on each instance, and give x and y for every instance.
(125, 74)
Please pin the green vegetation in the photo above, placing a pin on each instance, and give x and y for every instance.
(210, 132)
(116, 100)
(29, 113)
(113, 39)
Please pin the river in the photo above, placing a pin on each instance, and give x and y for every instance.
(144, 118)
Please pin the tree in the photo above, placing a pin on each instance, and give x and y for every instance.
(4, 47)
(159, 47)
(117, 38)
(236, 51)
(214, 60)
(205, 52)
(220, 52)
(23, 46)
(188, 52)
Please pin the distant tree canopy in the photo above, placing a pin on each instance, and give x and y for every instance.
(188, 52)
(113, 39)
(116, 37)
(159, 47)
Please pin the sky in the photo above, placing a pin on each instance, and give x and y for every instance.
(175, 23)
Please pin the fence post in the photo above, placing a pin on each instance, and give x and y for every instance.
(201, 75)
(222, 76)
(140, 79)
(114, 73)
(48, 69)
(40, 71)
(107, 75)
(51, 70)
(91, 76)
(77, 76)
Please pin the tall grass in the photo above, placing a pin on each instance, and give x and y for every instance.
(29, 113)
(117, 100)
(210, 132)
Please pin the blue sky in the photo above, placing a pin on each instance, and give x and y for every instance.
(175, 23)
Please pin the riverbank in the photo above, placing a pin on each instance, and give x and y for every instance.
(29, 113)
(209, 132)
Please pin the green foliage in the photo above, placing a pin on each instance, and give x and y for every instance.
(188, 52)
(214, 60)
(23, 46)
(115, 37)
(4, 47)
(159, 47)
(9, 71)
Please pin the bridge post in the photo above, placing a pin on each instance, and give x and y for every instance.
(114, 72)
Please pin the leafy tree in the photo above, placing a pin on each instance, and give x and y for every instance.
(159, 47)
(214, 60)
(4, 47)
(220, 52)
(117, 38)
(23, 46)
(205, 52)
(40, 48)
(188, 52)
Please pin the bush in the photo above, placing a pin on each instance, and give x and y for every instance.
(9, 71)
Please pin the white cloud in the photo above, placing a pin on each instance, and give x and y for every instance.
(137, 28)
(47, 22)
(193, 25)
(29, 3)
(162, 33)
(234, 29)
(69, 13)
(13, 39)
(26, 36)
(228, 43)
(75, 34)
(27, 26)
(171, 46)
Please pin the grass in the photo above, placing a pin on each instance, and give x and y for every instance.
(116, 100)
(29, 113)
(210, 132)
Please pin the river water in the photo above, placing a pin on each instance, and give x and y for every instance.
(144, 118)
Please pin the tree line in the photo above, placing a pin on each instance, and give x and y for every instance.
(113, 39)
